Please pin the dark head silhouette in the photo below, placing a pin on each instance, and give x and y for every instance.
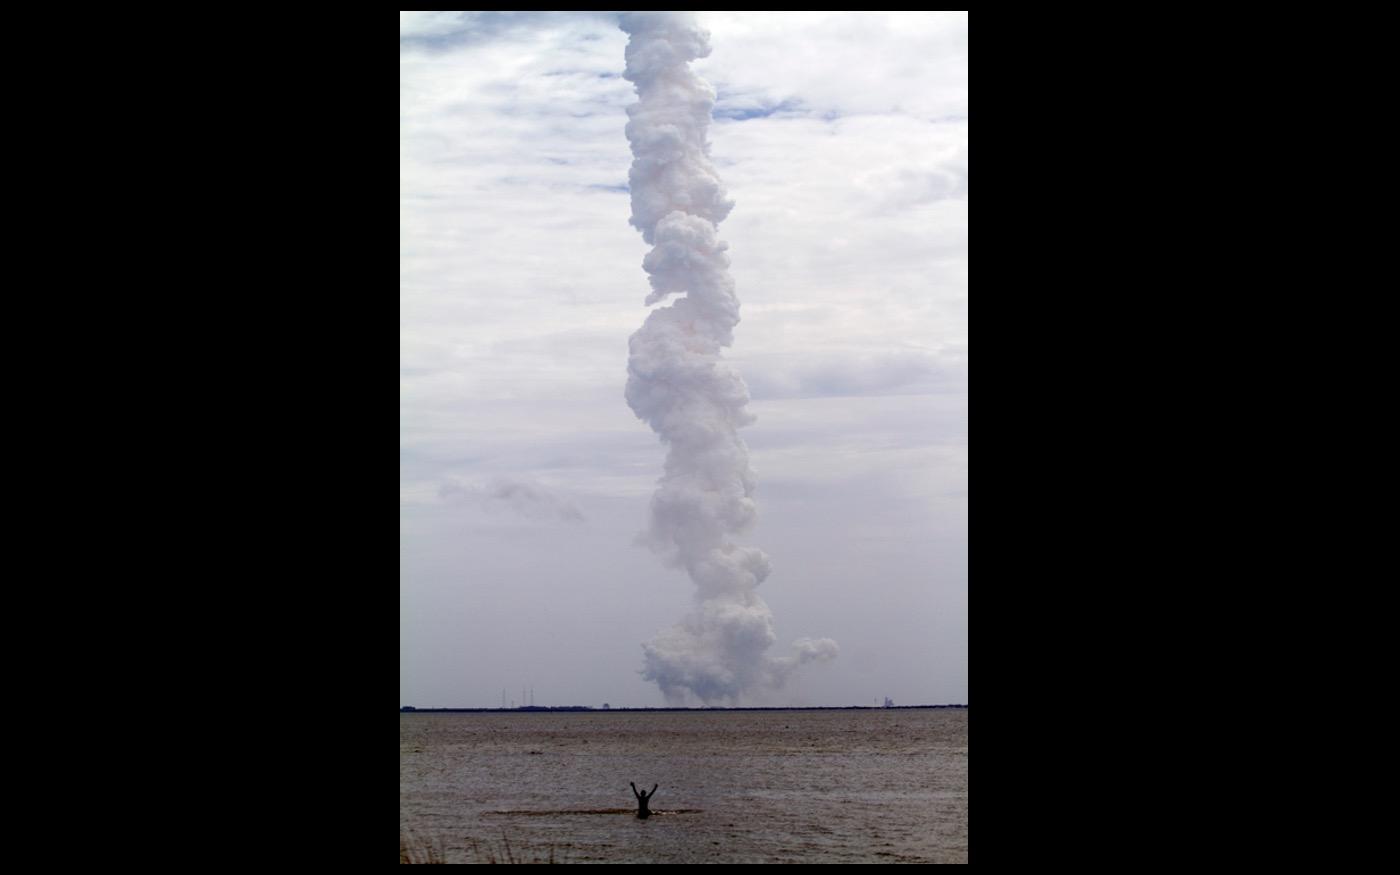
(642, 797)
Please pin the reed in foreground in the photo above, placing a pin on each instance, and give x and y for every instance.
(415, 850)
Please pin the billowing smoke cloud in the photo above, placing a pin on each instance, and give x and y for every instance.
(680, 386)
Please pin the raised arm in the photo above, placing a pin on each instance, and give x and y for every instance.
(653, 790)
(634, 790)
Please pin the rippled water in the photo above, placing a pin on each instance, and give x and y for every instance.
(736, 786)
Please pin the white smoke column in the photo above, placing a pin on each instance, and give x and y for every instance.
(679, 385)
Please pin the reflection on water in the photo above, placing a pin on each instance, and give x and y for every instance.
(654, 813)
(767, 786)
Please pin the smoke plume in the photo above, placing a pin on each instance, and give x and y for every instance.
(679, 385)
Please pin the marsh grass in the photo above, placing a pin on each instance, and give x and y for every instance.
(415, 850)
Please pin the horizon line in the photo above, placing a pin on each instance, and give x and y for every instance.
(412, 709)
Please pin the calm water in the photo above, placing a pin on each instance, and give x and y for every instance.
(755, 786)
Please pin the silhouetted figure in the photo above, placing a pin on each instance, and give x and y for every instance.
(642, 797)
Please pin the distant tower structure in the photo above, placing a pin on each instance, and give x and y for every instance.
(889, 703)
(606, 706)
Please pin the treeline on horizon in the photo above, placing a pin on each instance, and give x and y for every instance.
(411, 709)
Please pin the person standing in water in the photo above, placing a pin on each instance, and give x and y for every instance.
(642, 810)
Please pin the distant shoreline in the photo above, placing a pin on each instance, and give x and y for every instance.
(410, 709)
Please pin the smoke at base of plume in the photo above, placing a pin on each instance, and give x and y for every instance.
(678, 383)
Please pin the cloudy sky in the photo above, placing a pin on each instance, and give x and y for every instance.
(524, 476)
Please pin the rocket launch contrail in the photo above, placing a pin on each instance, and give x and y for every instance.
(678, 383)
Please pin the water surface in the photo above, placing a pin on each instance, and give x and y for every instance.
(736, 786)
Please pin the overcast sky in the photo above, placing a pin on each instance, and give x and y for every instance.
(524, 476)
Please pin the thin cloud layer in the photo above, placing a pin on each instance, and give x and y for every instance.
(529, 500)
